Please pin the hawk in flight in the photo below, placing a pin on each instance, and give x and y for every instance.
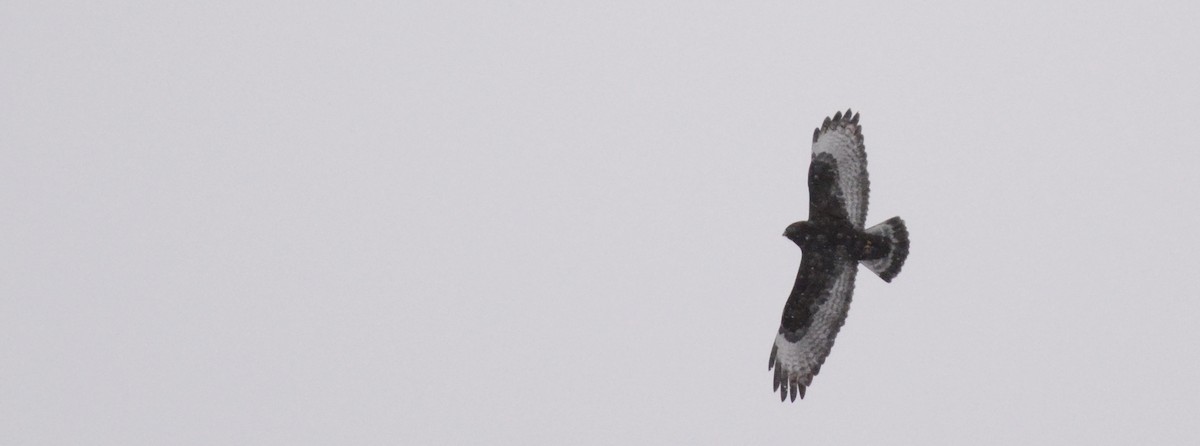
(833, 242)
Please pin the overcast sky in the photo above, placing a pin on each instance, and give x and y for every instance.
(559, 222)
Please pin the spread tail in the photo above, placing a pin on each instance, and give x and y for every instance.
(888, 266)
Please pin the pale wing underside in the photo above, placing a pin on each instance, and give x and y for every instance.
(797, 356)
(842, 137)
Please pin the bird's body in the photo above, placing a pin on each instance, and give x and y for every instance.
(834, 243)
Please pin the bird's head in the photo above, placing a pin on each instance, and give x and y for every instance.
(798, 232)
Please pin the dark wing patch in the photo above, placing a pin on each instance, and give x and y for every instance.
(842, 137)
(826, 203)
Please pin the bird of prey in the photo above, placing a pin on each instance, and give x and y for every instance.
(833, 242)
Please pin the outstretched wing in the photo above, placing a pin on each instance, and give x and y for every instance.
(840, 139)
(813, 315)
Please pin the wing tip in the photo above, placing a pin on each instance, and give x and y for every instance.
(771, 362)
(789, 389)
(790, 383)
(839, 120)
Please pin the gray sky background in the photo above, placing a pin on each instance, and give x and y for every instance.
(559, 222)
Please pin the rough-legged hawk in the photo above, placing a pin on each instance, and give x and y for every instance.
(834, 243)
